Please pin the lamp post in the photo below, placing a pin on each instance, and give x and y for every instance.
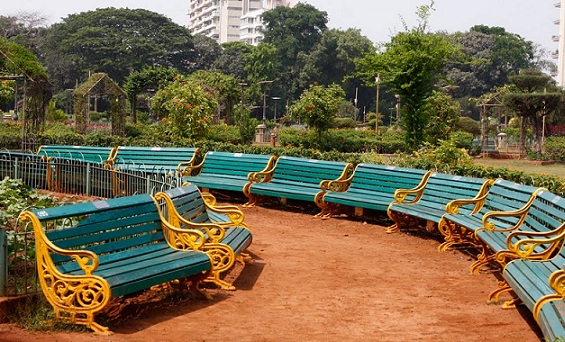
(378, 83)
(265, 98)
(276, 100)
(397, 108)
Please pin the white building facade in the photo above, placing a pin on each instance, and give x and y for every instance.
(230, 20)
(560, 39)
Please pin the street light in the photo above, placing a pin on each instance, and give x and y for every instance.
(378, 83)
(397, 108)
(265, 98)
(274, 98)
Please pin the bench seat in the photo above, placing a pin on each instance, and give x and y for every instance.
(430, 200)
(186, 207)
(371, 186)
(160, 160)
(296, 178)
(503, 207)
(227, 171)
(540, 286)
(89, 253)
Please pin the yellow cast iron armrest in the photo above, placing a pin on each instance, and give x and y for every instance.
(87, 260)
(183, 239)
(210, 202)
(175, 220)
(338, 185)
(261, 177)
(522, 212)
(557, 282)
(401, 194)
(529, 241)
(187, 169)
(479, 200)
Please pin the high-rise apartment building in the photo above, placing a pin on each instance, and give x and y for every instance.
(560, 39)
(230, 20)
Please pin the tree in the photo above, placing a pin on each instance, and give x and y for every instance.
(512, 52)
(146, 80)
(187, 109)
(206, 51)
(293, 30)
(232, 60)
(443, 113)
(116, 42)
(224, 88)
(410, 65)
(318, 107)
(332, 60)
(534, 96)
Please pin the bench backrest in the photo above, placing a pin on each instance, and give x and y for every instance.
(92, 154)
(310, 171)
(103, 227)
(153, 159)
(547, 212)
(189, 203)
(441, 188)
(507, 196)
(235, 164)
(384, 178)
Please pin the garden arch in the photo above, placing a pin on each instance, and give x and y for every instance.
(100, 85)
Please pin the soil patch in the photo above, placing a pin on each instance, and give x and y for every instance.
(327, 280)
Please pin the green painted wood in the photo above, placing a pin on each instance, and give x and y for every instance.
(373, 186)
(127, 236)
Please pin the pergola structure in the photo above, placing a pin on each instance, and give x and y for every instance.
(490, 103)
(100, 85)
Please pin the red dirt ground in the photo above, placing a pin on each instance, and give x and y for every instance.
(328, 280)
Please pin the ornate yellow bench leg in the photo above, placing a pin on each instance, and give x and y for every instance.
(511, 304)
(222, 258)
(494, 296)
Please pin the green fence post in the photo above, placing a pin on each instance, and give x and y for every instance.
(16, 169)
(3, 260)
(88, 180)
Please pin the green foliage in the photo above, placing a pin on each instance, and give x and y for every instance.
(554, 148)
(7, 88)
(115, 41)
(444, 157)
(224, 88)
(442, 113)
(469, 125)
(224, 133)
(344, 141)
(10, 135)
(16, 197)
(462, 139)
(54, 114)
(344, 123)
(187, 108)
(318, 107)
(245, 124)
(410, 65)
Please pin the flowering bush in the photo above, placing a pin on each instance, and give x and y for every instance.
(187, 110)
(6, 91)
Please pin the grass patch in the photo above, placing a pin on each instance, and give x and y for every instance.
(556, 169)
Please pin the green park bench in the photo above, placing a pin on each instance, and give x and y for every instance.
(158, 160)
(92, 154)
(371, 186)
(540, 286)
(227, 170)
(185, 207)
(296, 178)
(540, 236)
(429, 200)
(90, 253)
(503, 208)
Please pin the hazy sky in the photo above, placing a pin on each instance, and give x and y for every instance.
(377, 19)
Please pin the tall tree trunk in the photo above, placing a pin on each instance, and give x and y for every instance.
(523, 135)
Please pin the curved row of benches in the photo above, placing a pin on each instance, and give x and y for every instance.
(518, 227)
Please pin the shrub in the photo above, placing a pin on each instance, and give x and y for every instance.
(344, 123)
(462, 139)
(469, 125)
(554, 148)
